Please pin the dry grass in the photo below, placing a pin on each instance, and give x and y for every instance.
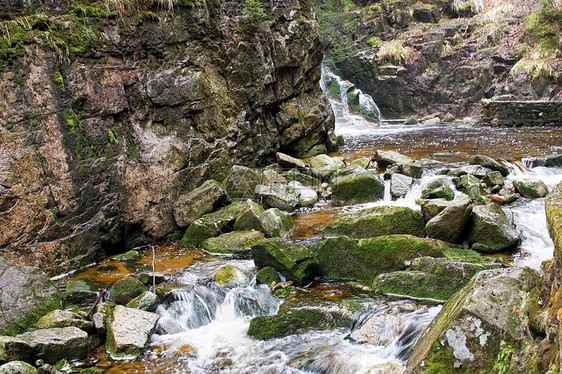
(123, 7)
(394, 52)
(539, 63)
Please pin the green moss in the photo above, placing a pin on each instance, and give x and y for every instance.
(126, 289)
(374, 41)
(545, 24)
(59, 81)
(42, 309)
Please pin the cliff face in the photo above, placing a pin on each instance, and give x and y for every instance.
(107, 116)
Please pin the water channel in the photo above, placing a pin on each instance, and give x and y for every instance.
(203, 327)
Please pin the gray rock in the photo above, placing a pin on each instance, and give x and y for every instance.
(324, 166)
(275, 223)
(477, 170)
(279, 196)
(248, 218)
(144, 301)
(286, 161)
(472, 186)
(235, 242)
(355, 184)
(82, 291)
(364, 162)
(386, 158)
(102, 317)
(128, 256)
(449, 224)
(230, 276)
(241, 182)
(17, 367)
(490, 229)
(413, 170)
(130, 331)
(494, 178)
(271, 177)
(64, 318)
(14, 349)
(439, 188)
(490, 163)
(307, 196)
(306, 179)
(202, 200)
(211, 225)
(400, 184)
(52, 345)
(532, 188)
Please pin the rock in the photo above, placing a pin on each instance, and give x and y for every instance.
(304, 315)
(476, 170)
(241, 182)
(430, 278)
(54, 344)
(376, 221)
(200, 201)
(128, 256)
(102, 317)
(231, 276)
(126, 289)
(294, 261)
(413, 170)
(364, 259)
(150, 277)
(130, 331)
(530, 188)
(64, 318)
(279, 196)
(355, 184)
(14, 349)
(307, 196)
(400, 184)
(211, 225)
(494, 178)
(490, 230)
(467, 332)
(235, 242)
(275, 223)
(307, 180)
(472, 186)
(248, 218)
(439, 188)
(270, 176)
(316, 150)
(450, 222)
(145, 301)
(324, 166)
(490, 163)
(267, 275)
(84, 291)
(17, 367)
(554, 161)
(364, 162)
(288, 162)
(27, 295)
(386, 158)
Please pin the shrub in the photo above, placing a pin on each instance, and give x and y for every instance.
(394, 52)
(374, 41)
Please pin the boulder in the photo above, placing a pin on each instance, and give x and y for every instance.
(148, 278)
(102, 317)
(304, 315)
(316, 150)
(386, 158)
(355, 184)
(400, 184)
(490, 229)
(532, 188)
(324, 166)
(241, 182)
(294, 261)
(438, 189)
(27, 295)
(306, 179)
(235, 242)
(364, 162)
(279, 196)
(129, 331)
(81, 292)
(467, 334)
(471, 185)
(376, 221)
(430, 278)
(231, 276)
(211, 225)
(248, 218)
(363, 259)
(145, 301)
(17, 367)
(306, 195)
(267, 275)
(54, 344)
(494, 178)
(288, 162)
(275, 223)
(270, 176)
(449, 223)
(64, 318)
(14, 349)
(128, 256)
(475, 170)
(126, 289)
(200, 201)
(412, 169)
(490, 163)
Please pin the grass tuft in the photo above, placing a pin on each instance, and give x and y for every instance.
(394, 52)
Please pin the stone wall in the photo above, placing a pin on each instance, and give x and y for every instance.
(521, 113)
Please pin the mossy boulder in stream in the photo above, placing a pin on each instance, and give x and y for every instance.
(267, 275)
(241, 182)
(277, 195)
(532, 188)
(211, 225)
(447, 220)
(129, 331)
(294, 261)
(275, 223)
(230, 276)
(126, 289)
(364, 259)
(355, 184)
(439, 188)
(82, 291)
(202, 200)
(235, 242)
(490, 163)
(304, 315)
(376, 221)
(324, 166)
(490, 230)
(57, 343)
(249, 216)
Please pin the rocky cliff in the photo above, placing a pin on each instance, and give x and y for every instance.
(109, 112)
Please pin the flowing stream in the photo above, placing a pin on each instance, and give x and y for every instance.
(203, 326)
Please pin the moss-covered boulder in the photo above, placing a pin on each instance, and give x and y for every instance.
(296, 262)
(64, 318)
(376, 221)
(412, 169)
(202, 200)
(83, 291)
(323, 166)
(267, 275)
(241, 182)
(387, 158)
(14, 349)
(277, 195)
(363, 259)
(471, 185)
(355, 184)
(126, 289)
(132, 255)
(306, 195)
(235, 242)
(249, 216)
(490, 163)
(145, 301)
(230, 276)
(430, 278)
(532, 188)
(438, 189)
(27, 295)
(212, 224)
(490, 230)
(364, 162)
(447, 220)
(304, 315)
(493, 179)
(306, 179)
(275, 223)
(474, 328)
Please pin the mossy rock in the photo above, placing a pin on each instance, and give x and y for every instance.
(131, 255)
(249, 217)
(438, 189)
(235, 242)
(490, 163)
(193, 205)
(145, 301)
(212, 224)
(363, 259)
(126, 289)
(490, 230)
(230, 276)
(275, 223)
(377, 221)
(267, 275)
(297, 176)
(471, 185)
(83, 291)
(355, 184)
(241, 182)
(531, 188)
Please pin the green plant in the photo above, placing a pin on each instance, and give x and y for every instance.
(111, 137)
(347, 5)
(538, 63)
(254, 9)
(59, 81)
(374, 41)
(375, 8)
(501, 364)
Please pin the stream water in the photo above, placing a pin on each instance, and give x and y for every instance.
(203, 326)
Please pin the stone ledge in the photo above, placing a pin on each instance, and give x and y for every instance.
(514, 113)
